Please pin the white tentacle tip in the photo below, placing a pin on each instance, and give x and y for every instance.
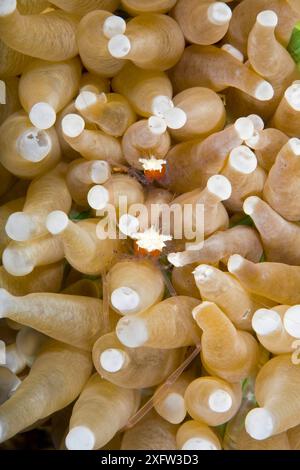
(42, 115)
(157, 125)
(85, 99)
(220, 401)
(174, 408)
(294, 144)
(175, 260)
(198, 443)
(175, 118)
(253, 141)
(220, 186)
(249, 204)
(19, 227)
(291, 321)
(219, 13)
(267, 18)
(125, 300)
(112, 360)
(234, 263)
(80, 438)
(244, 127)
(259, 424)
(100, 172)
(34, 145)
(119, 46)
(132, 331)
(233, 51)
(128, 224)
(258, 122)
(57, 222)
(202, 273)
(292, 95)
(264, 91)
(16, 263)
(266, 321)
(164, 110)
(7, 7)
(98, 197)
(161, 104)
(72, 125)
(114, 25)
(243, 159)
